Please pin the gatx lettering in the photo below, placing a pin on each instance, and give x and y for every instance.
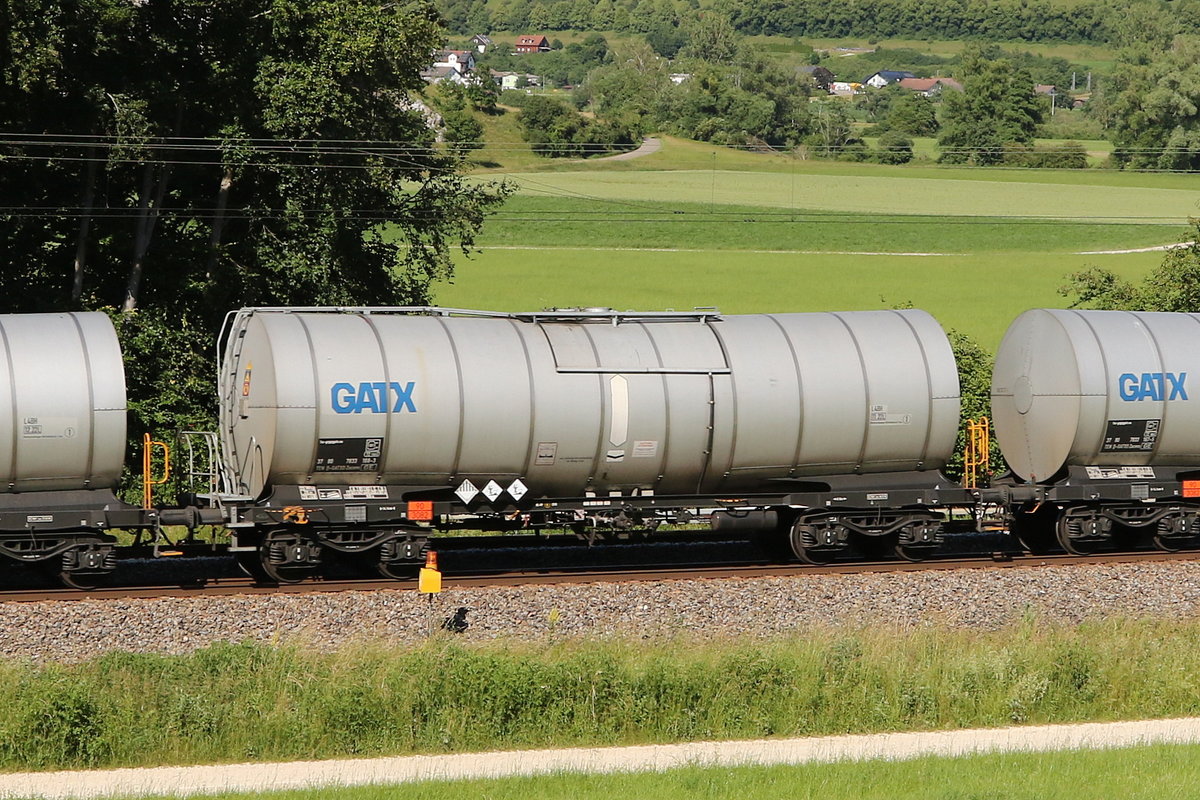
(376, 397)
(1153, 386)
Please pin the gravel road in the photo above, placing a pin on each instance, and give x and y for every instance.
(974, 598)
(183, 781)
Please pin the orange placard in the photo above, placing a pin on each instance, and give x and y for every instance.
(1191, 488)
(420, 510)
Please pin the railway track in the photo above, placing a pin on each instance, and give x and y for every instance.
(225, 586)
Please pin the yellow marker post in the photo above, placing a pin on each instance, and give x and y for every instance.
(429, 583)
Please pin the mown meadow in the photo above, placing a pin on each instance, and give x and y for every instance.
(1136, 773)
(696, 225)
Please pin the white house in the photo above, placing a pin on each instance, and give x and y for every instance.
(461, 61)
(481, 42)
(885, 76)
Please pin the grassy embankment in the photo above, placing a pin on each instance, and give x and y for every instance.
(1139, 773)
(233, 703)
(696, 225)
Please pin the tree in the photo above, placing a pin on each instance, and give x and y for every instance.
(996, 108)
(462, 131)
(913, 113)
(220, 153)
(711, 38)
(1173, 286)
(894, 148)
(1155, 108)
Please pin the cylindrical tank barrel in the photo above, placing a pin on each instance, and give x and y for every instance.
(62, 402)
(1102, 388)
(572, 403)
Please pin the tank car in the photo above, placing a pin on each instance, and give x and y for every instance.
(62, 443)
(363, 430)
(1098, 416)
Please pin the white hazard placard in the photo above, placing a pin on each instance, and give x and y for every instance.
(492, 491)
(466, 491)
(517, 489)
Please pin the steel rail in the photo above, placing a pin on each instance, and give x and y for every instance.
(216, 587)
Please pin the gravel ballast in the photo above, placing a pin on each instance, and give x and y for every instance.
(966, 598)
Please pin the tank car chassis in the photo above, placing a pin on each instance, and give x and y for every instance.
(287, 536)
(1093, 508)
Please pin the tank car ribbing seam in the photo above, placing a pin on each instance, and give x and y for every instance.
(664, 455)
(862, 367)
(799, 391)
(91, 387)
(462, 400)
(388, 415)
(316, 389)
(1099, 344)
(16, 418)
(519, 329)
(929, 388)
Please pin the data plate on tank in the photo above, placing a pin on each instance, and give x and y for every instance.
(1117, 473)
(358, 454)
(49, 427)
(1130, 435)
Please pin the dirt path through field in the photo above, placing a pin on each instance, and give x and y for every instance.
(649, 145)
(312, 774)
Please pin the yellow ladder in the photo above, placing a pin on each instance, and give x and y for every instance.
(148, 479)
(977, 459)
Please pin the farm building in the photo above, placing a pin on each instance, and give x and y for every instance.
(930, 87)
(532, 44)
(885, 77)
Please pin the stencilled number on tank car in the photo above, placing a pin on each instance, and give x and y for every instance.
(376, 397)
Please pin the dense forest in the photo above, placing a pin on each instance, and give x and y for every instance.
(1099, 21)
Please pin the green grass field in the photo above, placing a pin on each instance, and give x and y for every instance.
(1138, 773)
(977, 295)
(698, 225)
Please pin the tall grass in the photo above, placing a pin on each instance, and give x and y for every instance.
(233, 702)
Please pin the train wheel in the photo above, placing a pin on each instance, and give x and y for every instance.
(398, 570)
(914, 552)
(803, 539)
(1083, 534)
(86, 581)
(277, 573)
(1170, 544)
(1036, 530)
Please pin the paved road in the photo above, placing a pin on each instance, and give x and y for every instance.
(310, 774)
(649, 145)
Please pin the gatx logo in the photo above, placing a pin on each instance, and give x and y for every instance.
(377, 397)
(1153, 386)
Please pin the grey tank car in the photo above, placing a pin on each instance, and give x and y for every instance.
(566, 404)
(561, 412)
(62, 443)
(1100, 411)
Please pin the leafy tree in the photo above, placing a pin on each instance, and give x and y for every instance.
(220, 153)
(913, 113)
(667, 40)
(557, 130)
(894, 148)
(1155, 109)
(462, 131)
(1173, 286)
(831, 130)
(712, 38)
(996, 108)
